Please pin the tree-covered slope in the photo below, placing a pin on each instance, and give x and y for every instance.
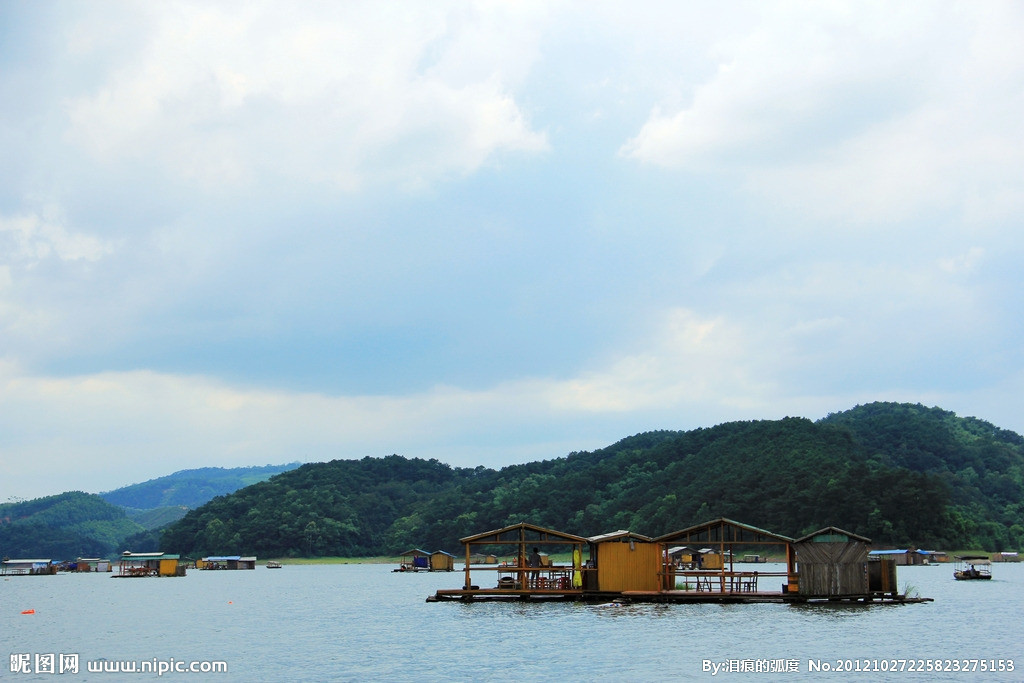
(981, 464)
(65, 526)
(912, 484)
(191, 488)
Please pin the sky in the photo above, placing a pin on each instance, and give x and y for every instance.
(248, 233)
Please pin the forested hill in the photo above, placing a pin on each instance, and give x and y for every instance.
(63, 527)
(191, 488)
(897, 473)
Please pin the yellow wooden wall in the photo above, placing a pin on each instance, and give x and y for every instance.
(168, 568)
(622, 569)
(441, 563)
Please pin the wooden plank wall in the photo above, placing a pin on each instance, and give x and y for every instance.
(832, 568)
(621, 569)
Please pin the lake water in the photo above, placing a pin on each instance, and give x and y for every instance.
(364, 622)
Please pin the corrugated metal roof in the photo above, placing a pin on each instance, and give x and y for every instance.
(29, 561)
(223, 558)
(903, 551)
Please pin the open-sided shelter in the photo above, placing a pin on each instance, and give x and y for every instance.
(414, 560)
(832, 563)
(728, 539)
(517, 541)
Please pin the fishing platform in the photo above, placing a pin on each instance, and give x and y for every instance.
(827, 566)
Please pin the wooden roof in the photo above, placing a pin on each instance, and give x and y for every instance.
(723, 530)
(502, 535)
(832, 534)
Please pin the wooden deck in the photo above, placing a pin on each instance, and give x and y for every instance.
(677, 596)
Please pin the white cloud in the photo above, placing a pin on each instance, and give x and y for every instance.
(343, 97)
(32, 238)
(860, 112)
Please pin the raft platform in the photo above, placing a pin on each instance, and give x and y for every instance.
(686, 597)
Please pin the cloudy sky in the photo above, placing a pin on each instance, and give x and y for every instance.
(240, 233)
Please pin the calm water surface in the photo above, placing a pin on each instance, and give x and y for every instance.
(363, 622)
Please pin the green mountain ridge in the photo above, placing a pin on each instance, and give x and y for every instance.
(897, 473)
(192, 487)
(901, 474)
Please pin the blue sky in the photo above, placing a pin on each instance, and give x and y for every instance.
(236, 234)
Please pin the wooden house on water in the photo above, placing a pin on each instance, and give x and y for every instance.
(909, 556)
(29, 567)
(624, 561)
(226, 562)
(832, 563)
(627, 566)
(93, 564)
(149, 564)
(440, 561)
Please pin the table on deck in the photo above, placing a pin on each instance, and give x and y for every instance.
(539, 578)
(729, 582)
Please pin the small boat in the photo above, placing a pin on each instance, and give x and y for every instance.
(273, 565)
(972, 568)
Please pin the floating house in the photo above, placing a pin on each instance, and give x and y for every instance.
(414, 560)
(910, 556)
(92, 564)
(832, 563)
(226, 562)
(624, 561)
(32, 567)
(684, 556)
(149, 564)
(440, 561)
(624, 565)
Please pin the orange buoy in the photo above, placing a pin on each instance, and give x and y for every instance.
(28, 611)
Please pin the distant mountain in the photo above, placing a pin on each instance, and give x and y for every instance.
(896, 473)
(156, 517)
(63, 527)
(191, 488)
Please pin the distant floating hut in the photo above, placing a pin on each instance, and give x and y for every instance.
(149, 564)
(92, 564)
(29, 567)
(226, 562)
(440, 561)
(414, 560)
